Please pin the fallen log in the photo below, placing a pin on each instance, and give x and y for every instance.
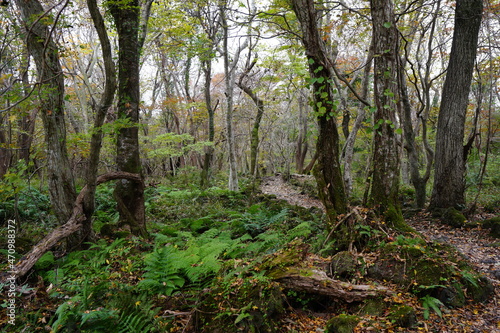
(72, 225)
(315, 281)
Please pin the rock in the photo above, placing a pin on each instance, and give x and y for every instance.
(373, 307)
(342, 324)
(453, 217)
(403, 316)
(343, 264)
(494, 225)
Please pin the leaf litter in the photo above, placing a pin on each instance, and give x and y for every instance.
(476, 245)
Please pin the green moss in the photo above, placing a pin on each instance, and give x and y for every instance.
(494, 225)
(242, 306)
(342, 324)
(343, 264)
(394, 218)
(428, 272)
(45, 261)
(403, 316)
(479, 288)
(453, 217)
(278, 263)
(373, 307)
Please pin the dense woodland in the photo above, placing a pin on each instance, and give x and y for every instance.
(136, 138)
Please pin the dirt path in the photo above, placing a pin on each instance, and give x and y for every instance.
(481, 250)
(275, 185)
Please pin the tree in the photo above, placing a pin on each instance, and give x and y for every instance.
(259, 103)
(328, 173)
(230, 80)
(44, 51)
(449, 169)
(386, 151)
(424, 81)
(101, 109)
(210, 23)
(129, 195)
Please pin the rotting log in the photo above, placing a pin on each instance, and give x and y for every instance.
(72, 225)
(314, 281)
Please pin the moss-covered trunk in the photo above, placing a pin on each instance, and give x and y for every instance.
(129, 195)
(327, 171)
(45, 53)
(386, 151)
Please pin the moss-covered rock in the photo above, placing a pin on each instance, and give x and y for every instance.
(373, 307)
(342, 324)
(292, 254)
(453, 217)
(403, 316)
(451, 296)
(494, 225)
(479, 288)
(343, 264)
(428, 272)
(242, 306)
(389, 269)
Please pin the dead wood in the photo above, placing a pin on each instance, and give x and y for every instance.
(313, 281)
(55, 236)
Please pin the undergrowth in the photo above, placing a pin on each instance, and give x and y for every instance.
(117, 284)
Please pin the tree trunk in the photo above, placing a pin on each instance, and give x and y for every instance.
(101, 110)
(316, 282)
(44, 51)
(449, 169)
(327, 171)
(302, 145)
(229, 72)
(348, 151)
(254, 135)
(129, 195)
(209, 153)
(386, 151)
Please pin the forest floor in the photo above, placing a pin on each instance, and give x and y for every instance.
(481, 250)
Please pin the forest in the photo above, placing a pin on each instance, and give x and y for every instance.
(249, 166)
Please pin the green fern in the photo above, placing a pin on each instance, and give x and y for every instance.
(45, 261)
(163, 267)
(303, 230)
(429, 302)
(137, 314)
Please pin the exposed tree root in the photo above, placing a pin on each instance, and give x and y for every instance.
(72, 225)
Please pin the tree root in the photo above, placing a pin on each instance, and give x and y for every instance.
(72, 225)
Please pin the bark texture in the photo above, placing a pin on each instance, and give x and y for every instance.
(129, 195)
(327, 171)
(386, 151)
(100, 109)
(449, 169)
(314, 281)
(42, 48)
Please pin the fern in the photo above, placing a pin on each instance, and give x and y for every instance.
(137, 314)
(45, 261)
(429, 302)
(303, 230)
(163, 267)
(135, 322)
